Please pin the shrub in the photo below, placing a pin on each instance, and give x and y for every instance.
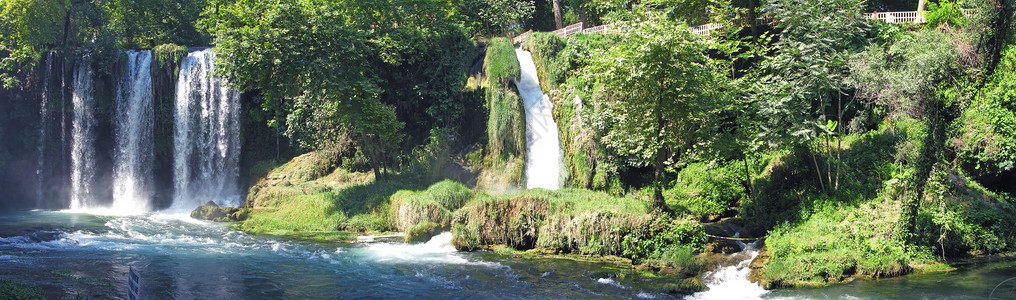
(167, 54)
(544, 46)
(945, 12)
(501, 64)
(702, 190)
(652, 240)
(449, 194)
(422, 232)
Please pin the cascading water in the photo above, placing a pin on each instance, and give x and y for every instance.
(206, 141)
(40, 164)
(133, 156)
(731, 282)
(543, 150)
(83, 151)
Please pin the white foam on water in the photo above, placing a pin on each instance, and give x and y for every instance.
(104, 211)
(611, 282)
(731, 282)
(438, 250)
(374, 238)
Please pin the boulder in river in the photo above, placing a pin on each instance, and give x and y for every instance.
(212, 212)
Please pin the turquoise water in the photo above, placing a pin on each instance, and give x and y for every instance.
(75, 254)
(70, 254)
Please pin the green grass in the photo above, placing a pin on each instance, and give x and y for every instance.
(422, 232)
(572, 221)
(506, 131)
(10, 289)
(302, 200)
(315, 212)
(837, 243)
(501, 63)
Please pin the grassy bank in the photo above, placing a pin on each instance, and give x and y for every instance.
(582, 222)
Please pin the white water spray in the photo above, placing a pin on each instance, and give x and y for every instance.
(40, 164)
(543, 150)
(133, 156)
(731, 282)
(83, 138)
(206, 139)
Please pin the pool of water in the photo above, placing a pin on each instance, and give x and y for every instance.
(78, 254)
(72, 254)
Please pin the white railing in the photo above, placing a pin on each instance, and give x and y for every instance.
(604, 29)
(907, 16)
(898, 16)
(607, 29)
(569, 30)
(704, 29)
(521, 37)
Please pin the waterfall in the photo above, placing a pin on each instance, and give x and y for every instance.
(731, 282)
(206, 136)
(543, 150)
(133, 157)
(83, 166)
(40, 163)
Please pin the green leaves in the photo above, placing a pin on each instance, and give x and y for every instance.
(664, 88)
(334, 69)
(486, 18)
(810, 67)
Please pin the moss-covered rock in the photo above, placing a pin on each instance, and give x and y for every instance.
(511, 221)
(433, 205)
(422, 232)
(685, 286)
(212, 212)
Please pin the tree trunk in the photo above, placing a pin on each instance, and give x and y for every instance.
(829, 160)
(747, 176)
(753, 18)
(926, 164)
(921, 5)
(582, 16)
(818, 171)
(557, 14)
(661, 152)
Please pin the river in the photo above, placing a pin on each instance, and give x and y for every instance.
(77, 254)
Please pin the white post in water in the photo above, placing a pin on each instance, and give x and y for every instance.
(543, 150)
(133, 284)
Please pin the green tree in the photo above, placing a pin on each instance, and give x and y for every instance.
(664, 89)
(486, 18)
(26, 27)
(336, 69)
(307, 52)
(147, 23)
(805, 84)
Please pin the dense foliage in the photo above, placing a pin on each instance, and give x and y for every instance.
(856, 147)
